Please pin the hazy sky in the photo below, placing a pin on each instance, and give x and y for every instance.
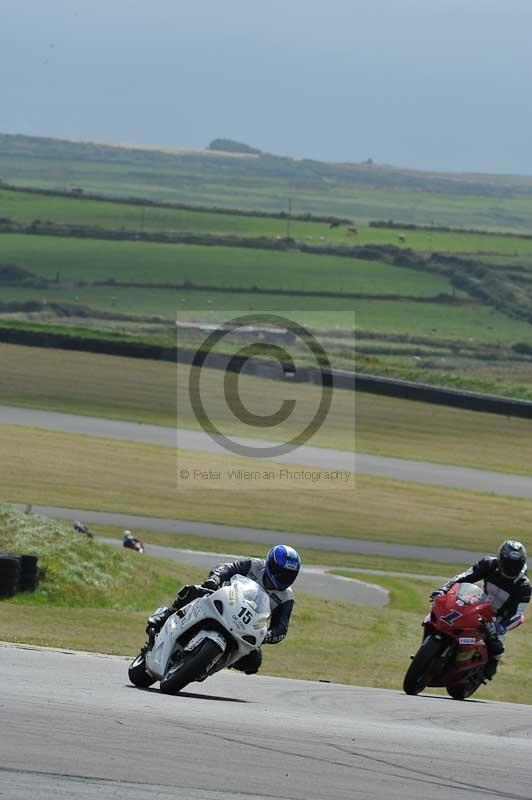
(443, 84)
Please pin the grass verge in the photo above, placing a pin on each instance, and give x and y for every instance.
(81, 573)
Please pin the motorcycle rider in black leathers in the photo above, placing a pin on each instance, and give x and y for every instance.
(275, 574)
(508, 588)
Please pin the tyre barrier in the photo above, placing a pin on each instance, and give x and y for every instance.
(18, 573)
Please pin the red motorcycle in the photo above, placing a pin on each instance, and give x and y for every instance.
(453, 653)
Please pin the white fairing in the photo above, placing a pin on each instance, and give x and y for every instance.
(245, 611)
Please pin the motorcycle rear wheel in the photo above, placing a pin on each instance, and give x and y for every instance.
(190, 668)
(138, 674)
(415, 679)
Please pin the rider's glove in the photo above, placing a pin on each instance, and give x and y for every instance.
(437, 593)
(211, 583)
(186, 594)
(273, 638)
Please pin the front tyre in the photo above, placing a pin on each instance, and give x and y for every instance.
(417, 673)
(458, 692)
(138, 675)
(191, 667)
(461, 691)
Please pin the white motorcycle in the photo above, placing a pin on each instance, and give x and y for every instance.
(203, 637)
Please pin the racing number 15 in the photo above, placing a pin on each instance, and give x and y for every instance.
(246, 615)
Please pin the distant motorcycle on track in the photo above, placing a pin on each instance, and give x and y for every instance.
(79, 527)
(132, 543)
(211, 632)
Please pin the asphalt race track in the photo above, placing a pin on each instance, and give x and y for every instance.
(74, 729)
(378, 466)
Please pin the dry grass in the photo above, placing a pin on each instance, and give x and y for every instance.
(82, 472)
(145, 391)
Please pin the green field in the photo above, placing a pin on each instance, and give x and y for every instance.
(27, 207)
(465, 323)
(70, 259)
(472, 325)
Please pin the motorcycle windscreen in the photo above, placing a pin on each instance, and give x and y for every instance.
(255, 596)
(470, 593)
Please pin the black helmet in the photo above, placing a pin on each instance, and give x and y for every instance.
(511, 558)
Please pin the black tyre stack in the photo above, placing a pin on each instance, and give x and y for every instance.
(9, 574)
(18, 573)
(29, 573)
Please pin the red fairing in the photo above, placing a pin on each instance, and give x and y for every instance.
(459, 615)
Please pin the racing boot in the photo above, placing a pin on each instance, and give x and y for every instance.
(495, 648)
(156, 622)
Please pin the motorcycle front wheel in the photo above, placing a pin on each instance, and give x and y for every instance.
(415, 679)
(191, 667)
(461, 691)
(138, 674)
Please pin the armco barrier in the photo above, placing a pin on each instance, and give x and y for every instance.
(423, 392)
(360, 382)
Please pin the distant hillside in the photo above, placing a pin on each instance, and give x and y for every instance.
(264, 181)
(230, 146)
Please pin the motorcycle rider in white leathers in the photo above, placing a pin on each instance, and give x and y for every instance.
(275, 574)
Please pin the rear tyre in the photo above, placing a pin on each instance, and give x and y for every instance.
(417, 673)
(138, 674)
(191, 667)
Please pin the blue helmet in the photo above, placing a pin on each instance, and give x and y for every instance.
(282, 566)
